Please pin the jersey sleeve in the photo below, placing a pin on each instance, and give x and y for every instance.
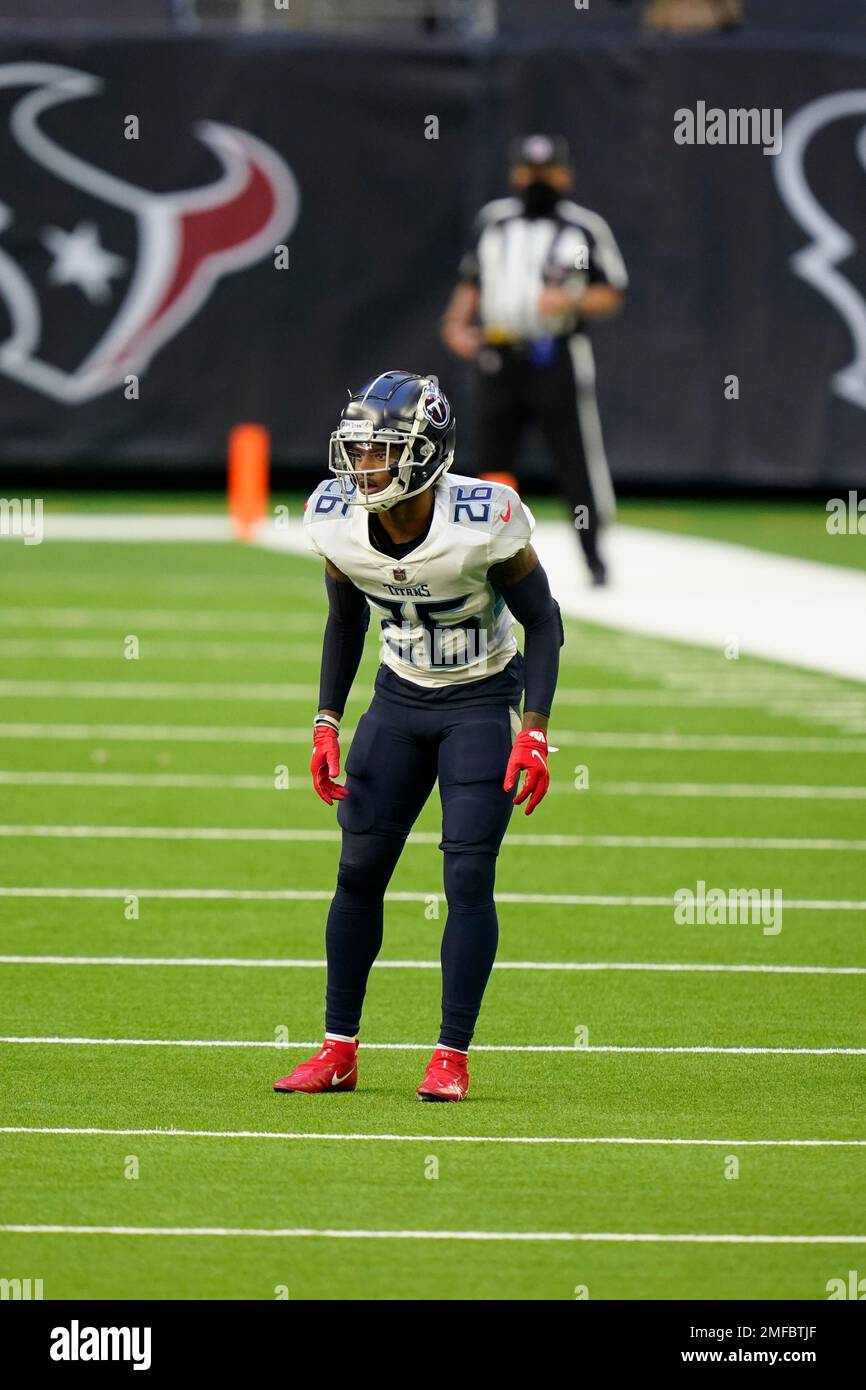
(324, 504)
(512, 525)
(606, 265)
(587, 244)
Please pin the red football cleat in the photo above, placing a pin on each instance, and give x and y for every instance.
(446, 1077)
(335, 1068)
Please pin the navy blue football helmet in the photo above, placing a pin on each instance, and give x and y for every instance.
(407, 414)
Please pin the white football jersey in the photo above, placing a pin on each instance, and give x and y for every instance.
(443, 623)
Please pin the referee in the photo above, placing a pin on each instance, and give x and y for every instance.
(540, 269)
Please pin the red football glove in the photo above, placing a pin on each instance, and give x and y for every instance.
(529, 755)
(325, 764)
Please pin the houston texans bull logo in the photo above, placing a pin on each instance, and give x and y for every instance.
(186, 241)
(830, 244)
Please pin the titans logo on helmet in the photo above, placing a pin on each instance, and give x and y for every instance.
(436, 408)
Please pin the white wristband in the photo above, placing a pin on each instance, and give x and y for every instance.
(328, 720)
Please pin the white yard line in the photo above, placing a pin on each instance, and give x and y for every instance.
(709, 676)
(315, 1135)
(716, 743)
(136, 620)
(294, 963)
(157, 733)
(281, 835)
(178, 781)
(745, 790)
(188, 652)
(571, 738)
(339, 1233)
(272, 693)
(303, 895)
(202, 583)
(135, 526)
(257, 734)
(190, 781)
(822, 711)
(17, 1040)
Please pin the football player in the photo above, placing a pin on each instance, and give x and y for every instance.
(446, 563)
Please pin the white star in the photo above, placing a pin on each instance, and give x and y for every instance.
(80, 259)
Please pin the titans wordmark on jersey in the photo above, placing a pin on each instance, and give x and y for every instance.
(443, 622)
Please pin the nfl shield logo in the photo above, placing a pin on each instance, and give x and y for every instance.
(399, 575)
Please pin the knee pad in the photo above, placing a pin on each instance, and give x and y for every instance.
(365, 869)
(469, 880)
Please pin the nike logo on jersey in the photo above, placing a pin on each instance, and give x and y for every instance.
(506, 515)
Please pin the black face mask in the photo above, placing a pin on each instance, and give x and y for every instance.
(539, 199)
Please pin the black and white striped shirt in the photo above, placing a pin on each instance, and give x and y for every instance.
(516, 256)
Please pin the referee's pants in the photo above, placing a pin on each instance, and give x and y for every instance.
(516, 390)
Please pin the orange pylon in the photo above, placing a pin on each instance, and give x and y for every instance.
(248, 478)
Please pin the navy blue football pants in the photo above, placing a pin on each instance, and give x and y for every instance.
(396, 755)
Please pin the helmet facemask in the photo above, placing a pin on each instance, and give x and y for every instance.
(352, 459)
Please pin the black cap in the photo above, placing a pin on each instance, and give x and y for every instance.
(540, 149)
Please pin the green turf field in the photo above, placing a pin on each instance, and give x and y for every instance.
(178, 896)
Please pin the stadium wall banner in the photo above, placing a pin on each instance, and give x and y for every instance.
(196, 231)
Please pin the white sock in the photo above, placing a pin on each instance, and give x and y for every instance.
(338, 1037)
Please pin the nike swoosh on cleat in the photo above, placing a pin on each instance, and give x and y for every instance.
(337, 1080)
